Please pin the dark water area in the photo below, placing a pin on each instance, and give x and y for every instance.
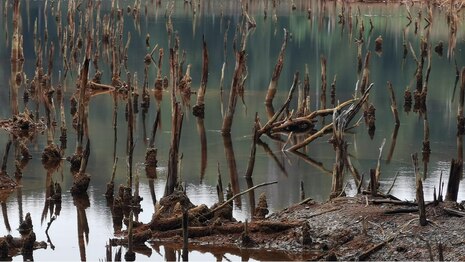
(81, 230)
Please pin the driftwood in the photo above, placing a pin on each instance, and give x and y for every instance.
(374, 248)
(240, 194)
(393, 202)
(401, 211)
(175, 222)
(230, 228)
(347, 115)
(253, 149)
(454, 212)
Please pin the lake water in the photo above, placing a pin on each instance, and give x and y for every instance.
(313, 35)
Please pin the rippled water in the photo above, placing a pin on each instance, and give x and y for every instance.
(321, 35)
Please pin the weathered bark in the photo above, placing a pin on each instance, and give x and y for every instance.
(393, 103)
(237, 79)
(176, 126)
(267, 127)
(455, 174)
(349, 114)
(232, 228)
(199, 108)
(175, 222)
(251, 163)
(419, 191)
(272, 87)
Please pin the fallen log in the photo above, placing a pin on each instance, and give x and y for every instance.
(454, 212)
(392, 202)
(401, 211)
(164, 224)
(347, 114)
(232, 228)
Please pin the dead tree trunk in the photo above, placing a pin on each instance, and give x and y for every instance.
(272, 87)
(393, 103)
(237, 79)
(199, 108)
(419, 191)
(176, 126)
(340, 147)
(455, 173)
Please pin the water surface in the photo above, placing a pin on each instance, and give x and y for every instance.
(311, 38)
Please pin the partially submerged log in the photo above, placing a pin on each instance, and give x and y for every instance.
(230, 228)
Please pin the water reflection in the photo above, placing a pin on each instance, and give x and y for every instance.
(316, 32)
(81, 202)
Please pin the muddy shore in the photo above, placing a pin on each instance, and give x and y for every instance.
(344, 228)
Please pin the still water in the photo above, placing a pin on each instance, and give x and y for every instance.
(313, 35)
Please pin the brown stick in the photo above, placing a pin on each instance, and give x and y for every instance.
(272, 87)
(378, 166)
(350, 113)
(99, 86)
(176, 126)
(328, 111)
(352, 169)
(366, 73)
(154, 128)
(251, 163)
(393, 202)
(419, 191)
(240, 194)
(454, 212)
(219, 186)
(204, 79)
(393, 144)
(454, 180)
(5, 156)
(302, 190)
(232, 228)
(373, 183)
(81, 109)
(374, 248)
(323, 83)
(393, 182)
(85, 158)
(268, 124)
(326, 129)
(393, 103)
(237, 79)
